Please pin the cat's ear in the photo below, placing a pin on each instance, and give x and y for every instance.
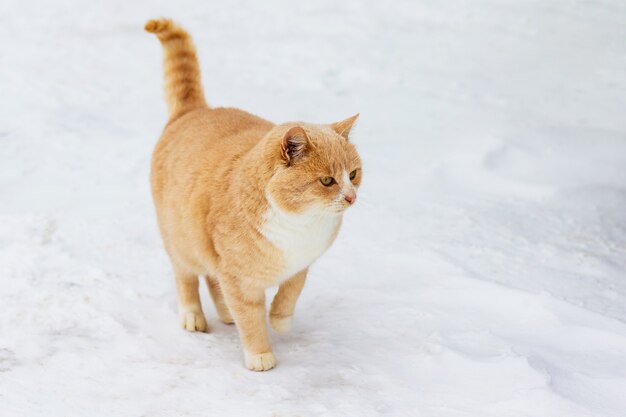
(343, 127)
(294, 144)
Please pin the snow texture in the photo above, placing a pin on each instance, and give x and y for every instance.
(481, 273)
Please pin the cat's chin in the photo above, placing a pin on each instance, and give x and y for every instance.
(330, 214)
(337, 212)
(331, 210)
(323, 212)
(336, 209)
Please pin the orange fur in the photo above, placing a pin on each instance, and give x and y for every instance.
(182, 72)
(239, 200)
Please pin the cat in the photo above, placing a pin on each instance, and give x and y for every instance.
(246, 203)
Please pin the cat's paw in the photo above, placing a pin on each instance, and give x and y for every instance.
(281, 324)
(193, 321)
(260, 361)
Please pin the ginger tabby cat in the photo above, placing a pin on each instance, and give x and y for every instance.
(243, 202)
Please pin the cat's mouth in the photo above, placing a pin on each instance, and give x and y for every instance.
(340, 206)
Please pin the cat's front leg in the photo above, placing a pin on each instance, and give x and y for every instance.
(247, 306)
(284, 303)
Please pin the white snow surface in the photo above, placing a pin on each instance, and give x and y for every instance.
(481, 273)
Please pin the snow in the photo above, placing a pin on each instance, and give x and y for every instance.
(482, 271)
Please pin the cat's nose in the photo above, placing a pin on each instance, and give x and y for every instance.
(350, 197)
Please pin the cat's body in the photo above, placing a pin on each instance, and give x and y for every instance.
(239, 201)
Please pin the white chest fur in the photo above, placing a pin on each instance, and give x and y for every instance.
(301, 238)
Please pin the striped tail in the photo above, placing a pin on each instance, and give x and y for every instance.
(183, 90)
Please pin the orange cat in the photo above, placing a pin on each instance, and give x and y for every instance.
(244, 202)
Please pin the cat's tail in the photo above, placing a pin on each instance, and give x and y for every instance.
(183, 90)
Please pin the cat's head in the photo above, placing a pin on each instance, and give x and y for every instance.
(318, 168)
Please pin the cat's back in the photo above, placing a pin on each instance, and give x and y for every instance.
(202, 139)
(214, 129)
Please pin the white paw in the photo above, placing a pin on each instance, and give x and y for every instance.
(259, 361)
(193, 320)
(281, 324)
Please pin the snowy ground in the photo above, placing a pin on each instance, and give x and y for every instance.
(483, 272)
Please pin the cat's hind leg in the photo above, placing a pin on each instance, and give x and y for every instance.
(284, 303)
(218, 299)
(189, 306)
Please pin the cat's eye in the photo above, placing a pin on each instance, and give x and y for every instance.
(353, 175)
(327, 181)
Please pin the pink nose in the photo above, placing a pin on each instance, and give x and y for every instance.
(350, 197)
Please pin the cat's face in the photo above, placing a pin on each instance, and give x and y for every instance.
(320, 170)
